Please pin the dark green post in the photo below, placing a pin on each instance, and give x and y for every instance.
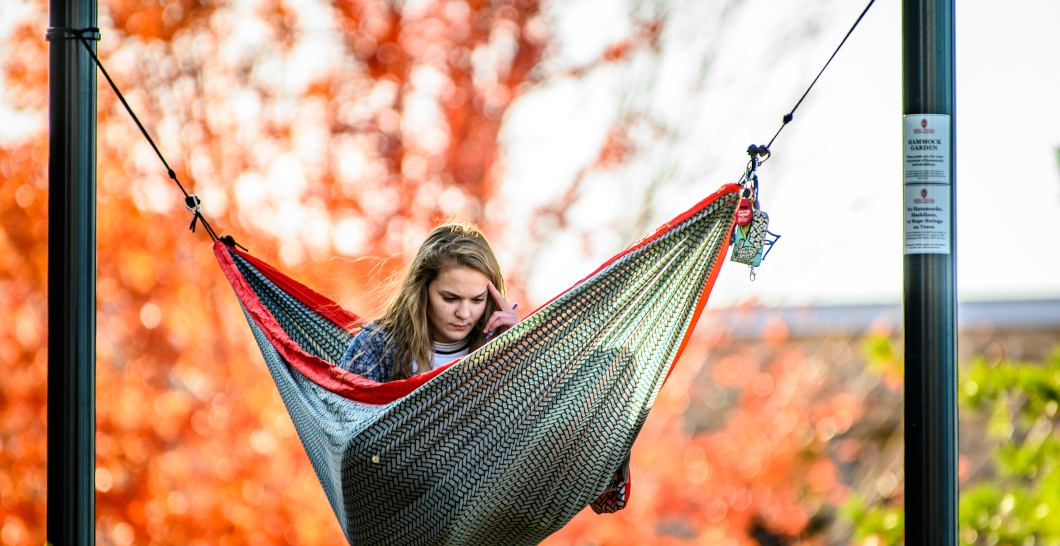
(71, 278)
(930, 291)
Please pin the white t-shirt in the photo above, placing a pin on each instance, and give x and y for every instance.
(445, 353)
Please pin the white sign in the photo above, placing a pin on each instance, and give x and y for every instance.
(927, 219)
(927, 183)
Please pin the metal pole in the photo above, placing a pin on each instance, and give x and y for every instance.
(930, 293)
(71, 279)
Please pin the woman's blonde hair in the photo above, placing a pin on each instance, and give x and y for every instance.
(448, 245)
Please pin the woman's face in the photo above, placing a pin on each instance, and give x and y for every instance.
(456, 300)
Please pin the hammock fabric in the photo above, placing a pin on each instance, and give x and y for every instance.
(508, 444)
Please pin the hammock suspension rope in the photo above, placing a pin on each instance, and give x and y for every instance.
(750, 244)
(83, 35)
(193, 203)
(791, 115)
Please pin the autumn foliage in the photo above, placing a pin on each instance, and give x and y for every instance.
(328, 137)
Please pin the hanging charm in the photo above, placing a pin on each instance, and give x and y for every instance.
(744, 212)
(749, 243)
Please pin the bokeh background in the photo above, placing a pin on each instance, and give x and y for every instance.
(328, 137)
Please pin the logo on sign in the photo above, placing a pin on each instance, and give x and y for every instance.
(924, 199)
(923, 127)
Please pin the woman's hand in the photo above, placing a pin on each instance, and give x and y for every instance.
(505, 314)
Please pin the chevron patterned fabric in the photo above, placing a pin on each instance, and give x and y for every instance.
(508, 444)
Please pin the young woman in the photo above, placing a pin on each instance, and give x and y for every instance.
(451, 300)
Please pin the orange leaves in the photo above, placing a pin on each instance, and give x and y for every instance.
(734, 371)
(822, 476)
(156, 20)
(616, 149)
(137, 271)
(26, 66)
(644, 36)
(142, 22)
(23, 332)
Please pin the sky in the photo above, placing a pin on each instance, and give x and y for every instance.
(724, 77)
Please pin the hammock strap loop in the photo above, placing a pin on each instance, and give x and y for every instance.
(65, 33)
(750, 176)
(194, 204)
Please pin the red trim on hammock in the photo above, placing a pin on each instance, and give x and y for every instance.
(335, 379)
(319, 303)
(724, 190)
(703, 297)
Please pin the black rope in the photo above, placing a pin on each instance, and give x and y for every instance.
(192, 202)
(750, 176)
(791, 115)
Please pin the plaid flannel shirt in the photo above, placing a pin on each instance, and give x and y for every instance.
(371, 354)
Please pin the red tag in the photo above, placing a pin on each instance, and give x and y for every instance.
(744, 212)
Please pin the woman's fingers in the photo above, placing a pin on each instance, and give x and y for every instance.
(504, 316)
(502, 304)
(491, 325)
(501, 319)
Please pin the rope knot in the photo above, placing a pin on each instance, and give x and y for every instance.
(760, 151)
(228, 240)
(64, 33)
(194, 204)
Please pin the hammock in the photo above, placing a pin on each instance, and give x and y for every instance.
(508, 444)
